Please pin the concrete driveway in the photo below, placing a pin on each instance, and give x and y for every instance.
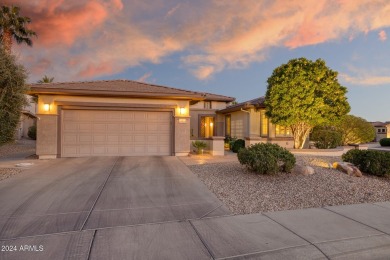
(155, 208)
(61, 206)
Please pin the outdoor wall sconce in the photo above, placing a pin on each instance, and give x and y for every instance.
(182, 111)
(46, 107)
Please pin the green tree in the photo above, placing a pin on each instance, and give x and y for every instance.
(355, 130)
(45, 79)
(12, 95)
(12, 25)
(302, 94)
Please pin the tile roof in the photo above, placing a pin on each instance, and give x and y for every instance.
(128, 88)
(379, 124)
(254, 103)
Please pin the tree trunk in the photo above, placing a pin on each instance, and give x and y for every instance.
(6, 41)
(300, 132)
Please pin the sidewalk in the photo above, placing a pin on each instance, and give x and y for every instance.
(359, 231)
(343, 232)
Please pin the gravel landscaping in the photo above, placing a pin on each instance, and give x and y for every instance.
(21, 148)
(244, 192)
(8, 172)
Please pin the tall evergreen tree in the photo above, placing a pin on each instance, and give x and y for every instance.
(12, 95)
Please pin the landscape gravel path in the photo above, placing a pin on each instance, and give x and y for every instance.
(245, 192)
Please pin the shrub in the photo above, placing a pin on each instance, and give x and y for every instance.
(385, 142)
(199, 145)
(266, 158)
(32, 132)
(237, 145)
(369, 161)
(325, 138)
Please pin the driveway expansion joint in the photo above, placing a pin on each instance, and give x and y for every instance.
(214, 209)
(91, 245)
(98, 196)
(327, 257)
(203, 241)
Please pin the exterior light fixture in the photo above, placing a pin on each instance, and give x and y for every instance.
(182, 111)
(46, 107)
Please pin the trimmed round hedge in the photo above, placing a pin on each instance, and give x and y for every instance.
(265, 158)
(326, 139)
(32, 132)
(237, 145)
(385, 142)
(369, 161)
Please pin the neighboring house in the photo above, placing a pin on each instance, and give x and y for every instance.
(382, 130)
(124, 118)
(27, 119)
(247, 120)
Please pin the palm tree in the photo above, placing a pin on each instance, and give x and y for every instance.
(12, 25)
(45, 79)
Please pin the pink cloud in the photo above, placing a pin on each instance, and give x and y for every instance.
(96, 70)
(382, 35)
(64, 22)
(145, 77)
(88, 38)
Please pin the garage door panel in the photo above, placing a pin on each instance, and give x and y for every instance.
(112, 139)
(98, 150)
(85, 150)
(127, 127)
(71, 127)
(140, 116)
(116, 133)
(70, 138)
(85, 138)
(99, 138)
(83, 127)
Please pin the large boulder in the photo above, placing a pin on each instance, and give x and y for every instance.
(302, 169)
(348, 168)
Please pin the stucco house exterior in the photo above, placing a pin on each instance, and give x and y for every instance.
(27, 119)
(247, 120)
(382, 130)
(124, 118)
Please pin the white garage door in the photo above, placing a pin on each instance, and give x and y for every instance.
(115, 133)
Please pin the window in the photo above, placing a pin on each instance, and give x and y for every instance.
(206, 126)
(207, 104)
(282, 130)
(228, 125)
(263, 123)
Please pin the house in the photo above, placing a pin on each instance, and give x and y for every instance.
(27, 119)
(124, 118)
(247, 120)
(382, 130)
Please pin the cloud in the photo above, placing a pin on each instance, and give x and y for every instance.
(366, 80)
(145, 77)
(92, 38)
(59, 22)
(172, 11)
(366, 76)
(96, 69)
(382, 35)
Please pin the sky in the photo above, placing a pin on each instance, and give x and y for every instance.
(218, 46)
